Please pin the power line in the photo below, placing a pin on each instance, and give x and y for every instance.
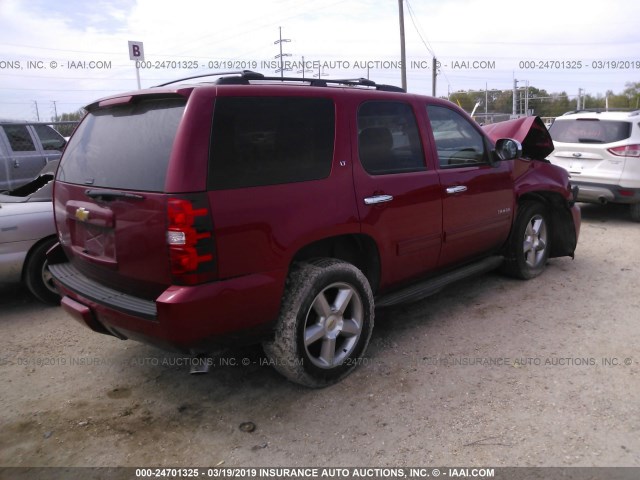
(413, 20)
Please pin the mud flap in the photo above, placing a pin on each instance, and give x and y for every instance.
(563, 230)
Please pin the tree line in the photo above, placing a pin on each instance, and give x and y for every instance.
(544, 104)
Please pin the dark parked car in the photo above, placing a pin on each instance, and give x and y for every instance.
(253, 209)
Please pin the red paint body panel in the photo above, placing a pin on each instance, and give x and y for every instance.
(190, 319)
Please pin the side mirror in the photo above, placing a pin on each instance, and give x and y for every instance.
(508, 149)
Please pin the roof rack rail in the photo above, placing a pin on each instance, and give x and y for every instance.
(365, 82)
(244, 74)
(603, 110)
(243, 77)
(350, 82)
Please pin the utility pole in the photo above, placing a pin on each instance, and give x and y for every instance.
(319, 74)
(403, 56)
(304, 68)
(37, 112)
(281, 55)
(55, 110)
(515, 93)
(486, 100)
(578, 99)
(434, 74)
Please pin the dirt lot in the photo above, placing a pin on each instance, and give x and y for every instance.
(490, 372)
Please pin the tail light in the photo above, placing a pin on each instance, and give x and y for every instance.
(626, 151)
(190, 240)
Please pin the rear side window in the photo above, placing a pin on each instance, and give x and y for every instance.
(49, 138)
(19, 138)
(124, 147)
(260, 141)
(590, 130)
(388, 138)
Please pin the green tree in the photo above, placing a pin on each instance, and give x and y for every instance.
(464, 99)
(632, 92)
(67, 130)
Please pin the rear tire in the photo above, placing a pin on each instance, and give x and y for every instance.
(325, 323)
(36, 274)
(528, 247)
(634, 208)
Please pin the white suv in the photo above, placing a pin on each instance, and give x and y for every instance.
(601, 152)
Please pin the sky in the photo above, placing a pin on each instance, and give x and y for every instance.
(56, 57)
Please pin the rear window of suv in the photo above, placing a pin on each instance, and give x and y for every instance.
(124, 146)
(590, 130)
(259, 141)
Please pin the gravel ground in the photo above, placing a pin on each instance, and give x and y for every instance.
(490, 372)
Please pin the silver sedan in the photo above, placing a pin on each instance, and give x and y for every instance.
(27, 231)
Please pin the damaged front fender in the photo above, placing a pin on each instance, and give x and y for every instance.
(535, 178)
(529, 131)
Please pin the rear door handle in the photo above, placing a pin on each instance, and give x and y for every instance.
(377, 199)
(457, 189)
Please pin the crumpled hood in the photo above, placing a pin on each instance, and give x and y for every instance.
(40, 189)
(529, 131)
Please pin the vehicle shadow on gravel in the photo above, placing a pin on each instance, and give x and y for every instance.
(592, 212)
(12, 295)
(16, 298)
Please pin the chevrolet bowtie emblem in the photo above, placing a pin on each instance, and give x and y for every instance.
(82, 214)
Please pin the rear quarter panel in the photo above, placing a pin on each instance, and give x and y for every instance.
(22, 225)
(260, 229)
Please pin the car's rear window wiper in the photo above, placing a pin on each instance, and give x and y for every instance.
(110, 195)
(589, 140)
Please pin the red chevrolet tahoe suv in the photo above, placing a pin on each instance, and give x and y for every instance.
(254, 209)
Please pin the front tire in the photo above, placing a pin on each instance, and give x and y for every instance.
(325, 323)
(529, 243)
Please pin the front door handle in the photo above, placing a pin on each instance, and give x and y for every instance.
(457, 189)
(377, 199)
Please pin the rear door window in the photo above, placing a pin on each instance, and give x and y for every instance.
(590, 130)
(260, 141)
(49, 138)
(19, 138)
(124, 146)
(388, 138)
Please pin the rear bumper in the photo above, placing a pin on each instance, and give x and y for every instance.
(190, 319)
(604, 193)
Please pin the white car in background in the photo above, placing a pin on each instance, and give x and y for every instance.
(27, 231)
(601, 152)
